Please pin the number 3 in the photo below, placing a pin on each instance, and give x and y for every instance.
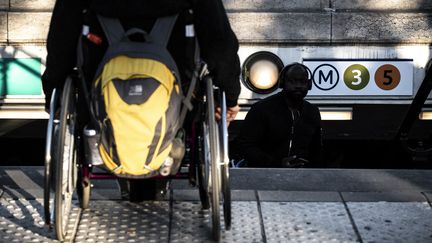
(357, 76)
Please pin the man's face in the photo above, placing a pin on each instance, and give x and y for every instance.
(296, 83)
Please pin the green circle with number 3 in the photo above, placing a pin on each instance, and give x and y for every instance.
(356, 77)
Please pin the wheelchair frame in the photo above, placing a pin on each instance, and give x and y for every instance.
(67, 173)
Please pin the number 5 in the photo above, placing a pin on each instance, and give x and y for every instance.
(387, 74)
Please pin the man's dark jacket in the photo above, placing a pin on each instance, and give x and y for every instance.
(217, 41)
(267, 131)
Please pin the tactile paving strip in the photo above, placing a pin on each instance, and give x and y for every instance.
(22, 221)
(307, 222)
(393, 221)
(192, 224)
(122, 221)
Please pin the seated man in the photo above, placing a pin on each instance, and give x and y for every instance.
(283, 130)
(218, 45)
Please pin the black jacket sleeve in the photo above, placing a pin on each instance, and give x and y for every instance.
(62, 40)
(219, 46)
(316, 146)
(218, 42)
(250, 139)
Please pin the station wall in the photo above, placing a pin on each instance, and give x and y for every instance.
(24, 23)
(262, 21)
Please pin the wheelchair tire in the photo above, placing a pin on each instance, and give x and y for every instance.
(226, 190)
(203, 185)
(202, 161)
(66, 155)
(214, 167)
(49, 154)
(226, 193)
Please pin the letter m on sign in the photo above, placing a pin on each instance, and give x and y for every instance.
(324, 78)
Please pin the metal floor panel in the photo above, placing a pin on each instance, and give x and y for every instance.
(22, 221)
(122, 221)
(191, 224)
(334, 206)
(307, 222)
(393, 221)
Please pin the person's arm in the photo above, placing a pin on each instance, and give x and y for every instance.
(65, 28)
(316, 146)
(251, 138)
(219, 47)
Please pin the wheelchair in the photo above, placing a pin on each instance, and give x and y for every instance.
(68, 174)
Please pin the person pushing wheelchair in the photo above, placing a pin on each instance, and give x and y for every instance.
(217, 42)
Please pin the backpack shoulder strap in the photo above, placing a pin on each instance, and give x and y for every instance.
(162, 29)
(112, 27)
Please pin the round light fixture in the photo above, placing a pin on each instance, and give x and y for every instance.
(260, 72)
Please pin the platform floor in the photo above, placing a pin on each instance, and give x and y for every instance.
(269, 205)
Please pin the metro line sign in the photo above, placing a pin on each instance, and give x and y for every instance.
(361, 77)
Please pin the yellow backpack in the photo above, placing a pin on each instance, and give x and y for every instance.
(136, 99)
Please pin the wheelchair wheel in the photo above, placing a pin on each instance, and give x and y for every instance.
(226, 190)
(49, 153)
(226, 193)
(213, 155)
(65, 160)
(202, 169)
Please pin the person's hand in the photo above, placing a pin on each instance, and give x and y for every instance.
(231, 113)
(293, 162)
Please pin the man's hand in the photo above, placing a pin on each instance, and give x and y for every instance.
(231, 113)
(293, 162)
